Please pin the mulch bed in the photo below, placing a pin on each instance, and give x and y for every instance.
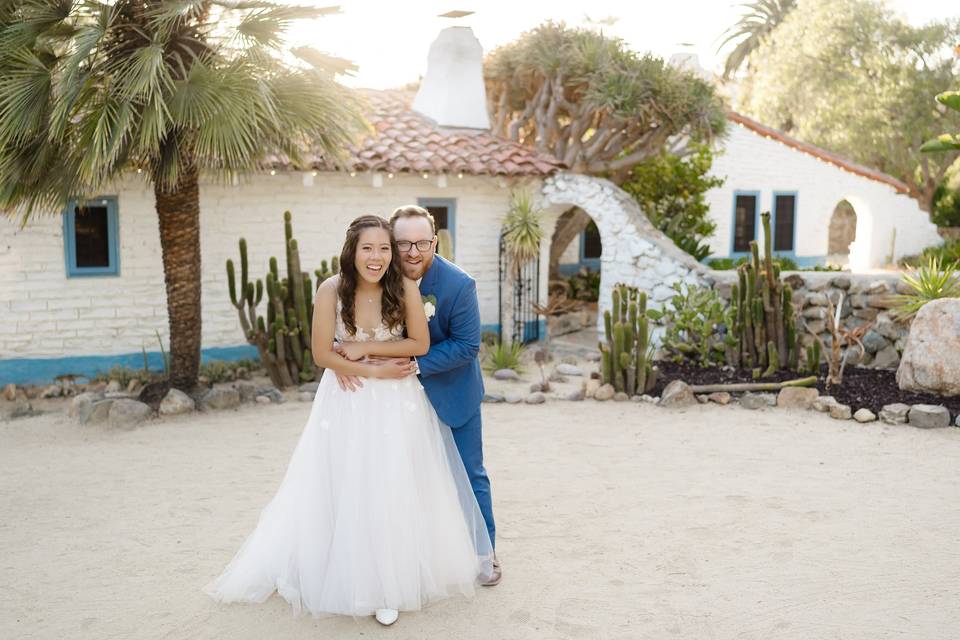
(869, 388)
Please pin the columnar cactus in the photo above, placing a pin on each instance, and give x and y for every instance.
(765, 324)
(283, 338)
(624, 357)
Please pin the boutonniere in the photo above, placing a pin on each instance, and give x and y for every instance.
(429, 305)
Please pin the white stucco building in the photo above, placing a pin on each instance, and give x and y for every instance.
(802, 185)
(80, 294)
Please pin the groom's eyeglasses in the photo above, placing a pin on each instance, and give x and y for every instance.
(422, 245)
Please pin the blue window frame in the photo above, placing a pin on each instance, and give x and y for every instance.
(91, 238)
(444, 212)
(591, 248)
(746, 220)
(784, 223)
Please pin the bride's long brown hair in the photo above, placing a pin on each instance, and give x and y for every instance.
(391, 307)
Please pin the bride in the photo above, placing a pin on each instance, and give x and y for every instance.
(375, 514)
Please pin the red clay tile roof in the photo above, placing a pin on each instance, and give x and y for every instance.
(406, 142)
(818, 152)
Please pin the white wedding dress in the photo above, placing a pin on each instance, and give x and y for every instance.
(375, 510)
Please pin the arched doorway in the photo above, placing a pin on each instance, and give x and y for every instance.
(841, 233)
(576, 250)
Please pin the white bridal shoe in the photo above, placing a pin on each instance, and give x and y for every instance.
(387, 617)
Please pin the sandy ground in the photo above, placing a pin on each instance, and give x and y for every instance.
(614, 520)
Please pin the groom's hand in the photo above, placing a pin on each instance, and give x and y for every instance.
(348, 383)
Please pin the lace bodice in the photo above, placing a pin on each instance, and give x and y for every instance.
(380, 334)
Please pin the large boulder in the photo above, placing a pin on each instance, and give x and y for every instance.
(126, 414)
(176, 402)
(677, 394)
(220, 399)
(797, 397)
(931, 360)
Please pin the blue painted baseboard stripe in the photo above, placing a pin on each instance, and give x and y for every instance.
(44, 370)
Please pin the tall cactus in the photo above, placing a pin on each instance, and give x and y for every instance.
(624, 361)
(283, 337)
(764, 311)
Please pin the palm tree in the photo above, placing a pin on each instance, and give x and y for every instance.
(92, 90)
(760, 18)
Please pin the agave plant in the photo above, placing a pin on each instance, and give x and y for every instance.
(929, 281)
(501, 355)
(92, 90)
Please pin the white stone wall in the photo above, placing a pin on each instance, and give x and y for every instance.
(751, 162)
(46, 314)
(634, 252)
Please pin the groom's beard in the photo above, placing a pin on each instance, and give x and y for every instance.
(416, 270)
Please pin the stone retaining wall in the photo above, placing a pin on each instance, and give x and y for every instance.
(866, 299)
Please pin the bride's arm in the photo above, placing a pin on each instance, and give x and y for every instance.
(417, 341)
(324, 321)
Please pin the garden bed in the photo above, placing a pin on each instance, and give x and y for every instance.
(861, 388)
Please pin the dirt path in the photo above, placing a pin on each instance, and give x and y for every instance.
(614, 521)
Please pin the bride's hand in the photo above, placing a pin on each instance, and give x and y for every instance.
(353, 350)
(394, 369)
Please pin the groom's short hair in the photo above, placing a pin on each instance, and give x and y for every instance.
(413, 211)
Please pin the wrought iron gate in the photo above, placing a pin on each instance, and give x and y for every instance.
(524, 326)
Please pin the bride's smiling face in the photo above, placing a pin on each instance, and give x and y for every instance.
(373, 254)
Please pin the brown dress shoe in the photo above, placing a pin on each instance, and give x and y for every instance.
(493, 579)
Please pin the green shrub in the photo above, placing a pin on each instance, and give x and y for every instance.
(785, 264)
(670, 190)
(948, 254)
(696, 322)
(500, 355)
(124, 375)
(584, 285)
(226, 370)
(945, 211)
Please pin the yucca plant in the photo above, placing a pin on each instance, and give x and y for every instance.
(501, 355)
(523, 228)
(930, 281)
(92, 90)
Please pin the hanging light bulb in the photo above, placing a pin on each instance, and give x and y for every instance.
(390, 175)
(273, 172)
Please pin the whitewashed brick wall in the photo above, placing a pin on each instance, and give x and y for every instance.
(751, 162)
(46, 314)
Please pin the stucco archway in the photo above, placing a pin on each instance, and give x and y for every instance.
(634, 251)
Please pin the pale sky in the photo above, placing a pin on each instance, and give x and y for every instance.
(389, 39)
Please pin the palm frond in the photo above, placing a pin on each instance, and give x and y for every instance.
(265, 25)
(761, 17)
(324, 62)
(24, 91)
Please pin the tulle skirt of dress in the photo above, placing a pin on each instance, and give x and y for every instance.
(375, 511)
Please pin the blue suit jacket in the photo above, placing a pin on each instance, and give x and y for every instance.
(450, 371)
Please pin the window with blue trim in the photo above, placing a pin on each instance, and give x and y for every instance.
(444, 212)
(744, 221)
(784, 221)
(91, 238)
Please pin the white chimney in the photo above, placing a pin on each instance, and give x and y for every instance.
(690, 62)
(452, 93)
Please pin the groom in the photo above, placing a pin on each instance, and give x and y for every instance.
(450, 371)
